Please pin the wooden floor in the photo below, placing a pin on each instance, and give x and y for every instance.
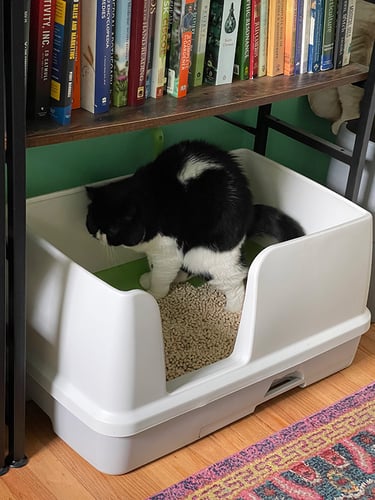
(55, 471)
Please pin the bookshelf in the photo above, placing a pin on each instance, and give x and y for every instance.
(200, 102)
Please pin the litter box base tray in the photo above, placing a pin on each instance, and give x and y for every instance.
(118, 455)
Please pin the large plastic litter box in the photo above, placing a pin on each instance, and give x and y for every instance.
(95, 359)
(337, 178)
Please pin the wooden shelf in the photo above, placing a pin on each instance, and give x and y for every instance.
(201, 102)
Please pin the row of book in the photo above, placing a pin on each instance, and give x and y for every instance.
(95, 54)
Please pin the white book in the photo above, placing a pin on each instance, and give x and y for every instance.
(305, 39)
(348, 32)
(221, 41)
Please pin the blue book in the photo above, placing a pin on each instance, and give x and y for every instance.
(63, 59)
(298, 45)
(316, 35)
(96, 55)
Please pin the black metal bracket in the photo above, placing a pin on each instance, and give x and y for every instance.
(355, 159)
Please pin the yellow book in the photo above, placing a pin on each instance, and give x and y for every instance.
(290, 36)
(276, 31)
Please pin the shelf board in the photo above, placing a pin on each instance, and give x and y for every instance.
(201, 102)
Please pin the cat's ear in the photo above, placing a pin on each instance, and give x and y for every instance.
(90, 191)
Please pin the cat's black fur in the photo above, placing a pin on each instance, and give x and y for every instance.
(195, 196)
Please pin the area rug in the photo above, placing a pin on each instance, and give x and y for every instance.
(329, 455)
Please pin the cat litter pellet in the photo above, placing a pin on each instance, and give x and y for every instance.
(197, 329)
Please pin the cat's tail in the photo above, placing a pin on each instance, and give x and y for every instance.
(273, 222)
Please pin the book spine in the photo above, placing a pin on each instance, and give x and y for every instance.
(76, 97)
(316, 35)
(329, 29)
(242, 56)
(298, 42)
(150, 50)
(42, 20)
(276, 31)
(183, 25)
(348, 32)
(63, 59)
(199, 43)
(139, 31)
(103, 50)
(290, 37)
(112, 70)
(305, 38)
(96, 55)
(254, 38)
(221, 41)
(121, 53)
(263, 38)
(342, 14)
(160, 48)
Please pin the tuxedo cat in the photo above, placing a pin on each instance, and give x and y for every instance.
(189, 211)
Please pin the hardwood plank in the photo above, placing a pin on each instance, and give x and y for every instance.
(201, 102)
(55, 471)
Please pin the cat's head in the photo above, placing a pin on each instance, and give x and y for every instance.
(113, 214)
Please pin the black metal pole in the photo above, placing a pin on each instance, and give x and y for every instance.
(3, 429)
(363, 133)
(15, 159)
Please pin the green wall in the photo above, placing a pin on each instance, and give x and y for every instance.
(61, 166)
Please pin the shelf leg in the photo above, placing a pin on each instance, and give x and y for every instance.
(3, 429)
(15, 159)
(365, 124)
(261, 133)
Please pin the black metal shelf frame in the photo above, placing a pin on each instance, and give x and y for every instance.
(13, 211)
(12, 235)
(355, 159)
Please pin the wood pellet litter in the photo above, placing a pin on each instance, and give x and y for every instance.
(197, 329)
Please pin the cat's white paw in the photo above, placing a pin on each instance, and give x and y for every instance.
(145, 281)
(235, 300)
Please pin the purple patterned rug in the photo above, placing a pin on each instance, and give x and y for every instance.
(327, 456)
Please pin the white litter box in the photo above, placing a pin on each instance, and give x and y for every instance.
(95, 358)
(337, 179)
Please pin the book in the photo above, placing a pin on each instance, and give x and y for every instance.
(221, 41)
(199, 43)
(42, 19)
(263, 38)
(341, 18)
(159, 54)
(290, 37)
(76, 97)
(150, 49)
(139, 32)
(276, 31)
(96, 41)
(242, 54)
(63, 59)
(348, 32)
(302, 36)
(254, 37)
(121, 53)
(316, 35)
(329, 30)
(183, 25)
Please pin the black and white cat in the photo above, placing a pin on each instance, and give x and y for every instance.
(189, 211)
